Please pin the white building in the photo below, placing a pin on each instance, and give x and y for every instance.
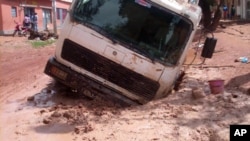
(243, 8)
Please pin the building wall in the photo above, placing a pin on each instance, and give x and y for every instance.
(242, 12)
(243, 9)
(243, 6)
(7, 21)
(247, 9)
(7, 24)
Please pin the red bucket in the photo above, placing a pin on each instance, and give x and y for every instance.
(216, 86)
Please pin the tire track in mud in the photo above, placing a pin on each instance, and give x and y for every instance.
(21, 69)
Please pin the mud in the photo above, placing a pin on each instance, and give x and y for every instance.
(34, 108)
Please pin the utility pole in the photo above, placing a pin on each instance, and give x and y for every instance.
(54, 16)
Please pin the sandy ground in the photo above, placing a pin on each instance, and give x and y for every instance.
(33, 109)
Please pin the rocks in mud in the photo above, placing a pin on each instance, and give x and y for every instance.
(56, 114)
(174, 115)
(231, 97)
(60, 106)
(198, 93)
(31, 98)
(43, 35)
(47, 121)
(99, 113)
(42, 111)
(214, 136)
(197, 88)
(87, 128)
(193, 84)
(71, 116)
(68, 115)
(47, 91)
(83, 129)
(56, 107)
(77, 130)
(78, 116)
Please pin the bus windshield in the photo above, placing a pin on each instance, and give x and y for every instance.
(141, 26)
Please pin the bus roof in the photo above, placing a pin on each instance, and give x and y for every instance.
(182, 7)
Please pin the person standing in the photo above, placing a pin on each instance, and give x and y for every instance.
(34, 19)
(26, 21)
(225, 9)
(232, 12)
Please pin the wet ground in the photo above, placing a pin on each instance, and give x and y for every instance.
(34, 108)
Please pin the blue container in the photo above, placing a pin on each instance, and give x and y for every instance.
(244, 59)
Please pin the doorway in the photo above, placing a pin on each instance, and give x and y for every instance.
(248, 9)
(28, 11)
(47, 19)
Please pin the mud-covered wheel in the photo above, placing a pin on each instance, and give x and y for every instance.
(59, 87)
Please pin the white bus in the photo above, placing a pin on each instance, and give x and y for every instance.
(128, 50)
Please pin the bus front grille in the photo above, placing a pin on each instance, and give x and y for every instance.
(109, 70)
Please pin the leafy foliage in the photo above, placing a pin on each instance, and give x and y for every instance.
(39, 43)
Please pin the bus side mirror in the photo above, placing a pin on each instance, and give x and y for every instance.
(208, 48)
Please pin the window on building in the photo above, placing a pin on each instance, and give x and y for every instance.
(248, 5)
(58, 13)
(47, 15)
(238, 2)
(61, 13)
(64, 13)
(13, 11)
(29, 10)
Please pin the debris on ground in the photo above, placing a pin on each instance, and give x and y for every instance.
(42, 35)
(242, 60)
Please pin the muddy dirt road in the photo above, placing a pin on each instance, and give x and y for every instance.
(32, 109)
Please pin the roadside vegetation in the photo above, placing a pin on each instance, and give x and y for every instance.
(40, 43)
